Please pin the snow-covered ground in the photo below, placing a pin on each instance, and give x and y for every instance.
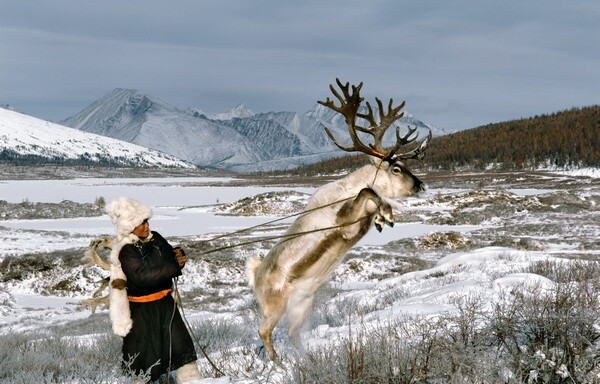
(475, 234)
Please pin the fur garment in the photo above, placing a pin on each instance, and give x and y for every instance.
(125, 214)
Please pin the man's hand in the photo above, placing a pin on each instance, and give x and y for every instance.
(180, 256)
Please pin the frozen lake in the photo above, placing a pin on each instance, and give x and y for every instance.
(155, 192)
(181, 207)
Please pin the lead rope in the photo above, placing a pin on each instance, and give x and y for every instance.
(171, 333)
(289, 236)
(179, 303)
(284, 236)
(228, 234)
(278, 219)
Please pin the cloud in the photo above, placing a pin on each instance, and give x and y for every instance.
(457, 64)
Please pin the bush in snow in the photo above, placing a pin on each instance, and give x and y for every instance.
(530, 334)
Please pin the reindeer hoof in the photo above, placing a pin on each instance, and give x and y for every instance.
(261, 352)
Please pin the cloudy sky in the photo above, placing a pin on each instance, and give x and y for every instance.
(458, 64)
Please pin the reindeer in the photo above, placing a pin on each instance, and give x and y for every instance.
(336, 217)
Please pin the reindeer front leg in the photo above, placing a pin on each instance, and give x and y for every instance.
(367, 208)
(298, 309)
(384, 216)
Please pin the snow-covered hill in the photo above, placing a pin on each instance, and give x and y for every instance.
(25, 137)
(237, 140)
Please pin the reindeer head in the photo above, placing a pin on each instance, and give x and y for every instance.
(393, 178)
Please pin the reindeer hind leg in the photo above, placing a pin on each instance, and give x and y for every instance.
(297, 313)
(272, 310)
(265, 332)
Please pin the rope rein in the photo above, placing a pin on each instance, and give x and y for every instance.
(292, 235)
(286, 237)
(278, 219)
(228, 234)
(171, 333)
(179, 304)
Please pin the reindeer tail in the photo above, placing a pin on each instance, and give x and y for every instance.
(252, 265)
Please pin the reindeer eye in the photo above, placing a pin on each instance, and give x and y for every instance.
(397, 170)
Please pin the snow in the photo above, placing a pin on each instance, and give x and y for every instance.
(589, 172)
(28, 135)
(182, 208)
(239, 111)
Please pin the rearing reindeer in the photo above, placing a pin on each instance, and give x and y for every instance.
(286, 280)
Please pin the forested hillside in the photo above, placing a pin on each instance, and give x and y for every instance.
(561, 139)
(566, 138)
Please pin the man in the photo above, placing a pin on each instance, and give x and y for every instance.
(142, 310)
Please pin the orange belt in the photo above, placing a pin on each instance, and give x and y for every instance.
(148, 298)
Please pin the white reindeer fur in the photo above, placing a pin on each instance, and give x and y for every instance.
(374, 176)
(271, 278)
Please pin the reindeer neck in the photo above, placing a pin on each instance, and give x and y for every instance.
(347, 186)
(364, 177)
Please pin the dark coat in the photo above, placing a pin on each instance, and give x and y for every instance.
(158, 337)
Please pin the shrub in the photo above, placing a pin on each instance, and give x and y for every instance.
(530, 334)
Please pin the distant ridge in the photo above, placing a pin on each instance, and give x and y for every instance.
(237, 140)
(565, 139)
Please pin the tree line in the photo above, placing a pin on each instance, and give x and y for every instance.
(569, 138)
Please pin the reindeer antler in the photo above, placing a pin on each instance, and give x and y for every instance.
(92, 258)
(349, 106)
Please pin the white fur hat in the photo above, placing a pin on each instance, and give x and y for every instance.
(126, 214)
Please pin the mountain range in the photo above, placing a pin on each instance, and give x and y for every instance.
(26, 138)
(237, 140)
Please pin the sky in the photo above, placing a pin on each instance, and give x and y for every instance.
(457, 64)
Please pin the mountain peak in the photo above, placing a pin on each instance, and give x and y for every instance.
(196, 112)
(239, 111)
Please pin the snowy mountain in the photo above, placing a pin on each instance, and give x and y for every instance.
(237, 140)
(25, 137)
(130, 115)
(240, 111)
